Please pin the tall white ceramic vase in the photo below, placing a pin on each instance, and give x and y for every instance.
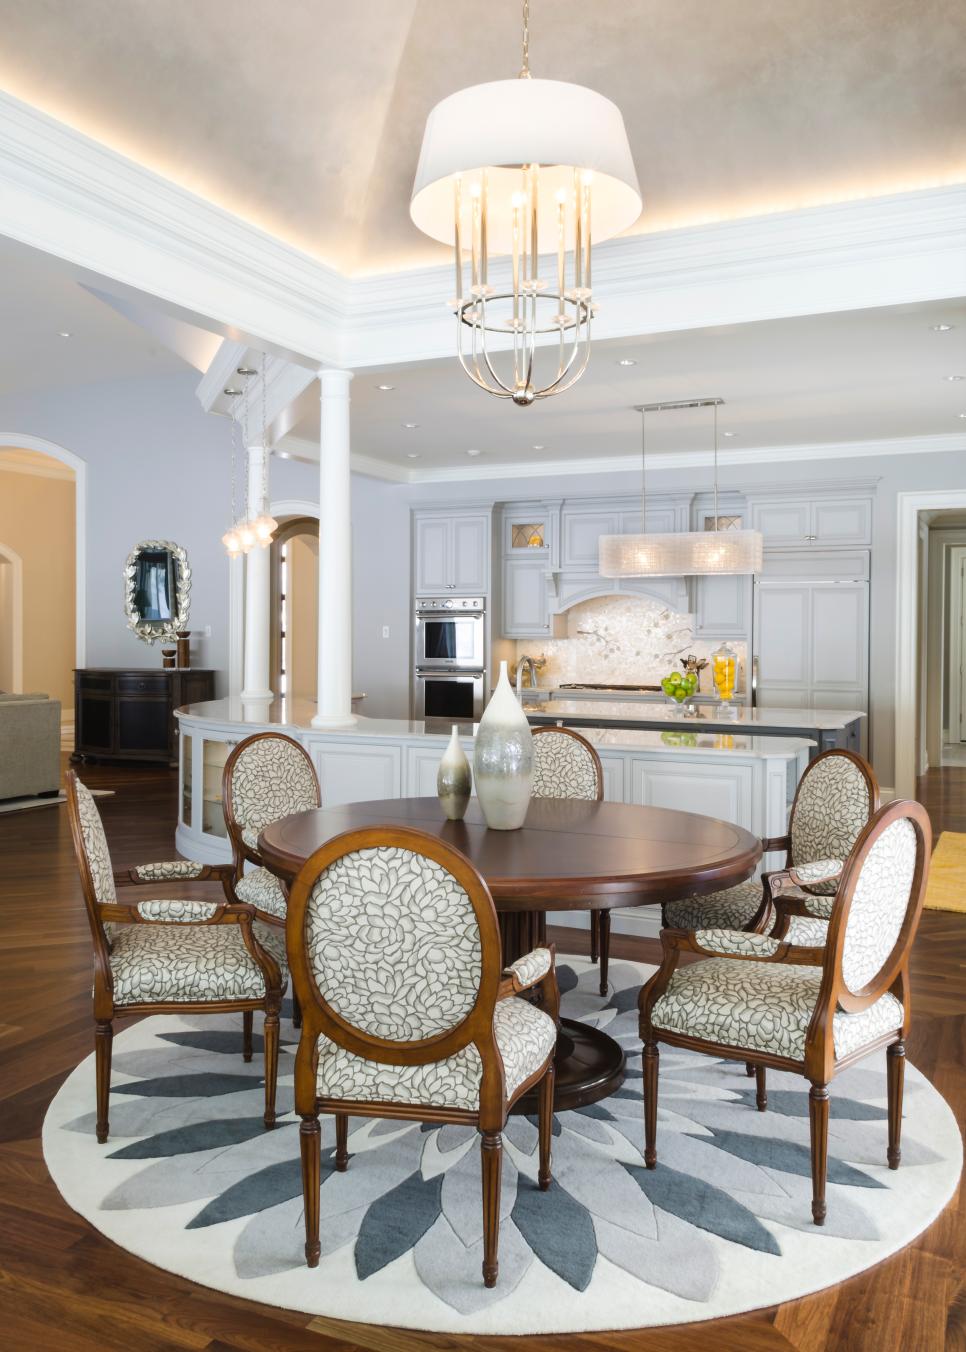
(503, 759)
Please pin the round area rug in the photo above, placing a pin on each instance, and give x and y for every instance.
(191, 1181)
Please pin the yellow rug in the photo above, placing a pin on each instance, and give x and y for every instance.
(946, 889)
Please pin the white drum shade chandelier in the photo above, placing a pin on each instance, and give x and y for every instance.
(510, 168)
(682, 553)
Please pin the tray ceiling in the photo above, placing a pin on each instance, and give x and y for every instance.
(306, 118)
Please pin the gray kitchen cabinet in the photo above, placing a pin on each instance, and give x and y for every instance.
(580, 532)
(820, 522)
(811, 643)
(722, 606)
(451, 552)
(526, 603)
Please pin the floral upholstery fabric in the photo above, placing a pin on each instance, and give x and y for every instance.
(271, 778)
(262, 889)
(250, 836)
(174, 868)
(762, 1006)
(95, 846)
(879, 903)
(394, 944)
(821, 907)
(563, 767)
(177, 912)
(734, 941)
(833, 806)
(525, 1036)
(821, 870)
(806, 931)
(161, 964)
(732, 908)
(531, 967)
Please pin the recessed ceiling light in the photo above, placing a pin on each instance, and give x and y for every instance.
(941, 328)
(729, 434)
(410, 427)
(412, 455)
(539, 448)
(961, 415)
(385, 387)
(954, 377)
(473, 452)
(63, 334)
(627, 361)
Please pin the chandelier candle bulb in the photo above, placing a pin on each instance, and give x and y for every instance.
(457, 218)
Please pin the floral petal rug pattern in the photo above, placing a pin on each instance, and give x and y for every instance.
(191, 1181)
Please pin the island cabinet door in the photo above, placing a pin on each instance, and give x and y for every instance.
(357, 772)
(711, 789)
(422, 764)
(614, 778)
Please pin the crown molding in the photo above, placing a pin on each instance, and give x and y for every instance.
(941, 444)
(73, 197)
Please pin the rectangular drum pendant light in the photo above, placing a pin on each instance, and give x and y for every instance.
(683, 553)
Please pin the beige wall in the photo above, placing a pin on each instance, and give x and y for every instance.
(37, 522)
(303, 610)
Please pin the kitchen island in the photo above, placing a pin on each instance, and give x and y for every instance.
(732, 775)
(826, 728)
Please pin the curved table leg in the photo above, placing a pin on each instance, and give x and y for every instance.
(589, 1064)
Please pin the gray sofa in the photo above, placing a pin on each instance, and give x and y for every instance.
(29, 745)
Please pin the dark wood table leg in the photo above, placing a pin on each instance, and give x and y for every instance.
(589, 1064)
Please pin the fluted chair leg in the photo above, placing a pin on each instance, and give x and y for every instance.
(818, 1106)
(761, 1088)
(270, 1033)
(341, 1142)
(604, 949)
(103, 1038)
(545, 1108)
(310, 1142)
(248, 1021)
(896, 1068)
(491, 1151)
(594, 935)
(652, 1061)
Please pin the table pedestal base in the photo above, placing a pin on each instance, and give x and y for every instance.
(589, 1066)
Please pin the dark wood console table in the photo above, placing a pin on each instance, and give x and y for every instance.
(127, 713)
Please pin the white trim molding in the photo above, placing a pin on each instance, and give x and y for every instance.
(73, 197)
(300, 448)
(23, 442)
(908, 507)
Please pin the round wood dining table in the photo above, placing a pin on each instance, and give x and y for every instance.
(568, 855)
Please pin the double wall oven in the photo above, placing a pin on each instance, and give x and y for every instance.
(449, 657)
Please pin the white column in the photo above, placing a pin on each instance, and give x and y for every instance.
(335, 556)
(258, 594)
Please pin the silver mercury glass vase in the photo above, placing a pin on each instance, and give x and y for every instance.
(453, 780)
(503, 759)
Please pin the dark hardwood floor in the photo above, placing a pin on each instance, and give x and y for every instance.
(63, 1286)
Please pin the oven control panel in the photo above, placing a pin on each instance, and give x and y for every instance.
(433, 603)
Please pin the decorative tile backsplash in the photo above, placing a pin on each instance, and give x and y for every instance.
(622, 640)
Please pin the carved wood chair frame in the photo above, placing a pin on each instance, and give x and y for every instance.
(106, 1010)
(320, 1019)
(599, 920)
(819, 1064)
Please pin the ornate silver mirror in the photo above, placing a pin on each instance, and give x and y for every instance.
(157, 590)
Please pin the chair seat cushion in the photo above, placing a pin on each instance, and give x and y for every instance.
(762, 1006)
(731, 908)
(525, 1036)
(181, 964)
(262, 889)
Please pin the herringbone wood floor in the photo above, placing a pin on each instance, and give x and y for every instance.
(65, 1287)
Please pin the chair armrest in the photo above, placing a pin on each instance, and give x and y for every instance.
(537, 968)
(821, 871)
(772, 843)
(178, 912)
(745, 947)
(181, 870)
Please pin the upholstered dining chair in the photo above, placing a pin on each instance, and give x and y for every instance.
(267, 776)
(170, 956)
(566, 765)
(406, 1013)
(813, 1010)
(835, 798)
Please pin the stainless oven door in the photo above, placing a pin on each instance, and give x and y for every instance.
(457, 695)
(449, 641)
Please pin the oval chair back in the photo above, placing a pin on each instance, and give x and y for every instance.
(565, 765)
(267, 776)
(836, 797)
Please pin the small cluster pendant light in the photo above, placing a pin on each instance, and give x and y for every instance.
(681, 553)
(508, 168)
(250, 531)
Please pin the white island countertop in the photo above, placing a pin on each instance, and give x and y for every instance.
(687, 737)
(599, 712)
